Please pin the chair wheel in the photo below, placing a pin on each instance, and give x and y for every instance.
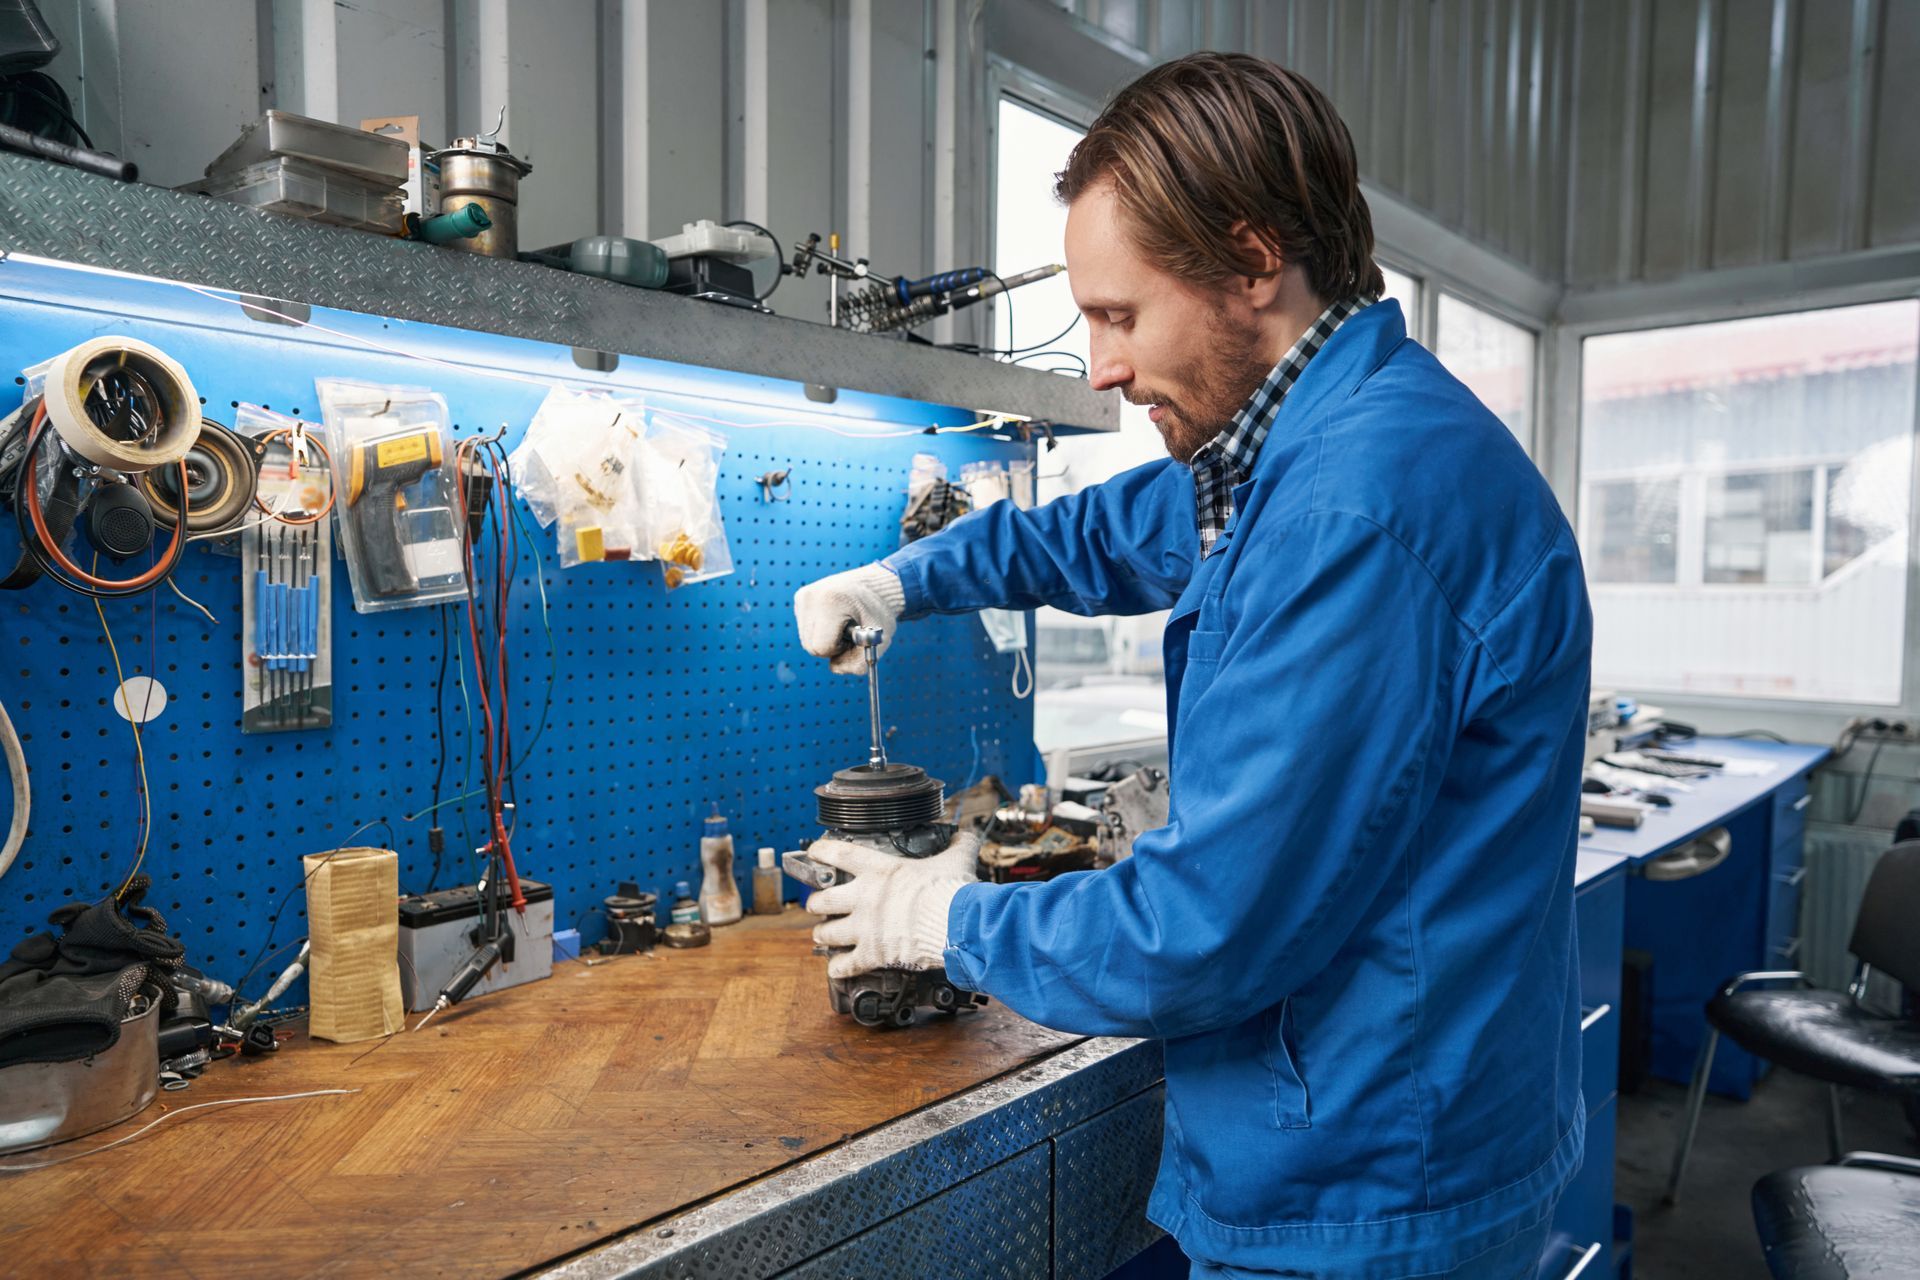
(903, 1014)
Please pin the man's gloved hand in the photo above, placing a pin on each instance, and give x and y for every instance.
(893, 913)
(870, 596)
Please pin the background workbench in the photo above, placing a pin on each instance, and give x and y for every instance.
(577, 1115)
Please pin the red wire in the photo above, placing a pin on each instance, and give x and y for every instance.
(492, 756)
(151, 577)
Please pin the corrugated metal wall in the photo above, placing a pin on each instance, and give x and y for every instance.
(1711, 134)
(869, 117)
(1457, 107)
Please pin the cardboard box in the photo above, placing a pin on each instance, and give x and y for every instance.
(423, 174)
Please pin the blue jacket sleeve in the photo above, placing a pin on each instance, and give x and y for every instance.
(1310, 738)
(1122, 547)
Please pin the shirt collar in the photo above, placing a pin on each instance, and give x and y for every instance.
(1238, 444)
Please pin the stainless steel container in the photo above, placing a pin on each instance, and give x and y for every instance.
(369, 156)
(481, 171)
(42, 1103)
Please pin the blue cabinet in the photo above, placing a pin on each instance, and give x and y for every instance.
(1582, 1234)
(1740, 916)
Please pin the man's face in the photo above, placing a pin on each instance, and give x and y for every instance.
(1183, 349)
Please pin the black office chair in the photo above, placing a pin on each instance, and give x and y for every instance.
(1828, 1034)
(1855, 1220)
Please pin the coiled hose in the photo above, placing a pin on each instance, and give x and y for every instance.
(17, 772)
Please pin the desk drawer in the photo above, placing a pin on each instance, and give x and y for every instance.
(1599, 1053)
(1599, 915)
(996, 1223)
(1791, 800)
(1584, 1217)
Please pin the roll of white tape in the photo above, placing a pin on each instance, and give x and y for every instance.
(88, 371)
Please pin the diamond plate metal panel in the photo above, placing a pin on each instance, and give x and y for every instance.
(52, 211)
(993, 1226)
(783, 1220)
(1102, 1173)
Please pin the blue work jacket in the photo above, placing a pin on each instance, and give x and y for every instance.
(1355, 933)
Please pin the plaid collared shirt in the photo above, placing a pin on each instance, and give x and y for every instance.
(1227, 459)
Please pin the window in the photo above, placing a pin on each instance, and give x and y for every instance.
(1494, 358)
(1759, 527)
(1746, 488)
(1099, 680)
(1405, 290)
(1634, 523)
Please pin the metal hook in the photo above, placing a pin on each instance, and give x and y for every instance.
(493, 135)
(781, 480)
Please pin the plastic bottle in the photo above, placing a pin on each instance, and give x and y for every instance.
(719, 891)
(684, 910)
(766, 886)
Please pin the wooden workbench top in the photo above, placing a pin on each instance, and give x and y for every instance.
(518, 1128)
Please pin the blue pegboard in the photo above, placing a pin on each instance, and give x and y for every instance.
(666, 701)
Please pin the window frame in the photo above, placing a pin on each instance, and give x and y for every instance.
(1732, 295)
(1536, 406)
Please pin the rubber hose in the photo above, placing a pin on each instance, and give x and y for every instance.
(17, 771)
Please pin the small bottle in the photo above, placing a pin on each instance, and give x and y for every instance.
(719, 891)
(766, 886)
(684, 910)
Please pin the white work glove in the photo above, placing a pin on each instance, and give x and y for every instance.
(870, 596)
(893, 913)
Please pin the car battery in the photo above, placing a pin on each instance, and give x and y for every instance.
(438, 931)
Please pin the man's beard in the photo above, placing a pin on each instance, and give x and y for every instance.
(1217, 385)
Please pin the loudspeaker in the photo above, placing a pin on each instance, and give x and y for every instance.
(119, 521)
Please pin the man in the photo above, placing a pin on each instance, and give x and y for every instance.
(1355, 934)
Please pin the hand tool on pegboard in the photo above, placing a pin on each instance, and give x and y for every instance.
(286, 580)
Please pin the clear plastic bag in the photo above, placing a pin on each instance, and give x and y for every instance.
(578, 468)
(392, 450)
(679, 492)
(932, 502)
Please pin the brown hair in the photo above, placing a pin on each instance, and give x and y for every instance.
(1212, 139)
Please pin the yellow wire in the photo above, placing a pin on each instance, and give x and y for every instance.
(139, 751)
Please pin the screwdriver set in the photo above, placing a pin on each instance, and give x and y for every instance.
(286, 598)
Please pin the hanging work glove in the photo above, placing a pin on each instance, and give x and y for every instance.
(893, 913)
(870, 596)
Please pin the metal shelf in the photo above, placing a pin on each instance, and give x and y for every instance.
(52, 211)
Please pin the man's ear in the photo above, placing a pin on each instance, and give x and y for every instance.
(1260, 288)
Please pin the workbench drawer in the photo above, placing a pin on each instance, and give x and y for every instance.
(1102, 1173)
(993, 1226)
(1791, 800)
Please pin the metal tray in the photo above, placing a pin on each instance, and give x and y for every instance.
(302, 190)
(42, 1103)
(283, 134)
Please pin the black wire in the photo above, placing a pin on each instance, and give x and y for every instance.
(1070, 355)
(1866, 781)
(20, 84)
(273, 924)
(1753, 733)
(779, 256)
(44, 558)
(974, 348)
(1008, 295)
(440, 739)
